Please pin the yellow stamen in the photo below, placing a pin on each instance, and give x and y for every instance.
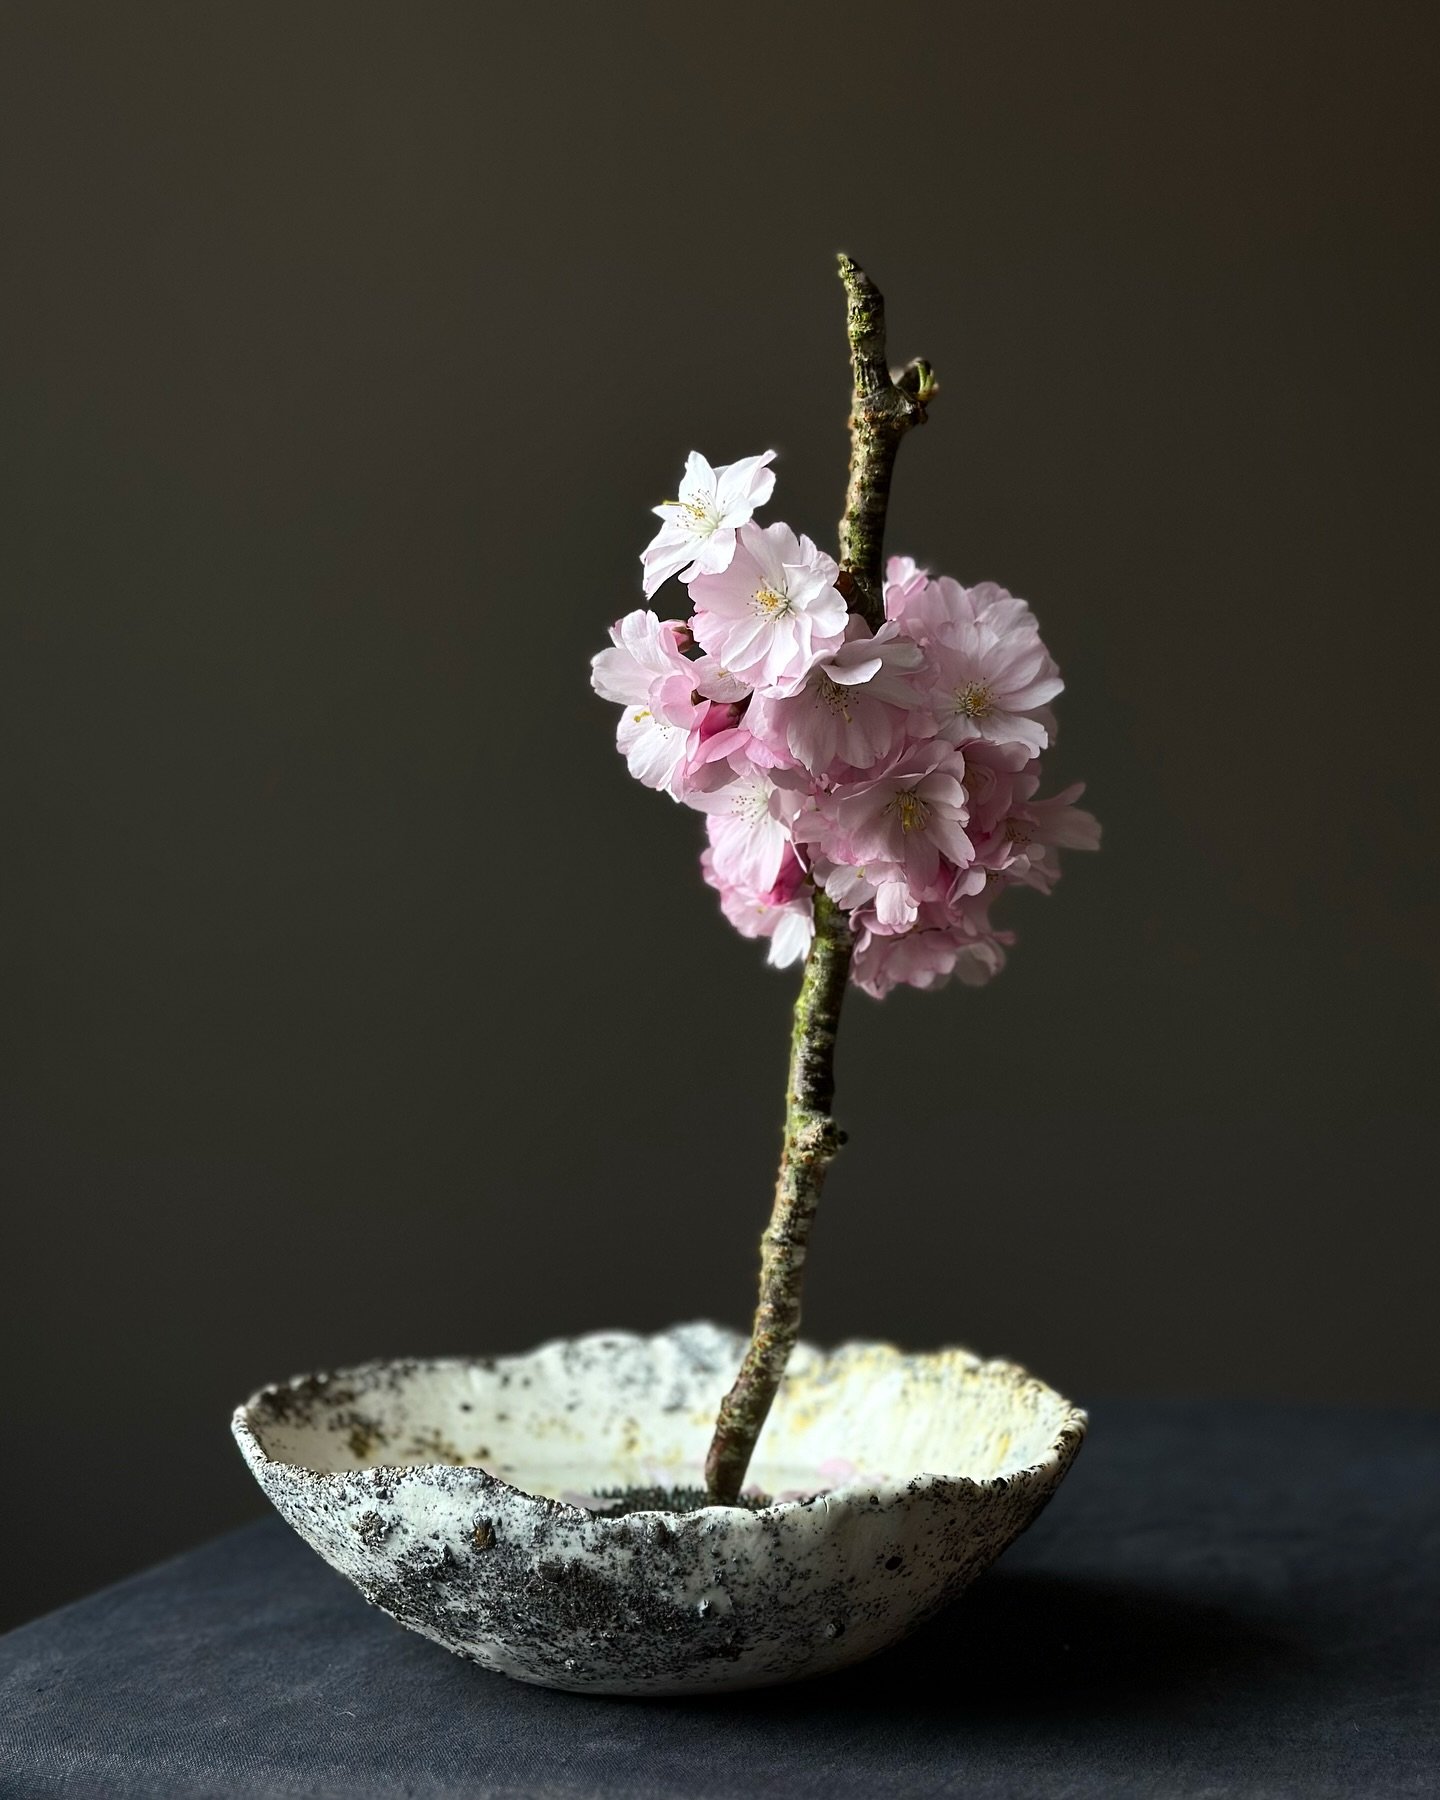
(912, 810)
(834, 697)
(697, 510)
(973, 700)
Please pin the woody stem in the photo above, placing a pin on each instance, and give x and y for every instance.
(882, 411)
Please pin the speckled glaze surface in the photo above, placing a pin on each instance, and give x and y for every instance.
(463, 1496)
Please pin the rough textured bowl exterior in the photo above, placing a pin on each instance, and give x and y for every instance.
(460, 1496)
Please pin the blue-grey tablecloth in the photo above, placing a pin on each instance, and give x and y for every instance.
(1222, 1601)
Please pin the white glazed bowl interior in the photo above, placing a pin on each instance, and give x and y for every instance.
(463, 1497)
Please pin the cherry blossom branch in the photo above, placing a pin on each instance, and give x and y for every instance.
(882, 411)
(810, 1142)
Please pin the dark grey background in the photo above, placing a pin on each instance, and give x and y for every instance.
(357, 1002)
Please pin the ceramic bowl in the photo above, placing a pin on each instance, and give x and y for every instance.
(466, 1497)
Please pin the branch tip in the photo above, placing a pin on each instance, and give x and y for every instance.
(883, 408)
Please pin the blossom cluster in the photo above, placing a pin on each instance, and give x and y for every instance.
(897, 769)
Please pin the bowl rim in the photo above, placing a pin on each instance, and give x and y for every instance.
(1062, 1450)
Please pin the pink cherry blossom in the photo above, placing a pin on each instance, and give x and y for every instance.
(655, 749)
(904, 579)
(699, 527)
(991, 773)
(646, 650)
(990, 604)
(988, 683)
(895, 770)
(852, 707)
(773, 613)
(669, 738)
(920, 958)
(907, 823)
(716, 682)
(877, 889)
(1032, 831)
(946, 942)
(749, 827)
(647, 674)
(932, 607)
(785, 914)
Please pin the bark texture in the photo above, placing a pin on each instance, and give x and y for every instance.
(882, 411)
